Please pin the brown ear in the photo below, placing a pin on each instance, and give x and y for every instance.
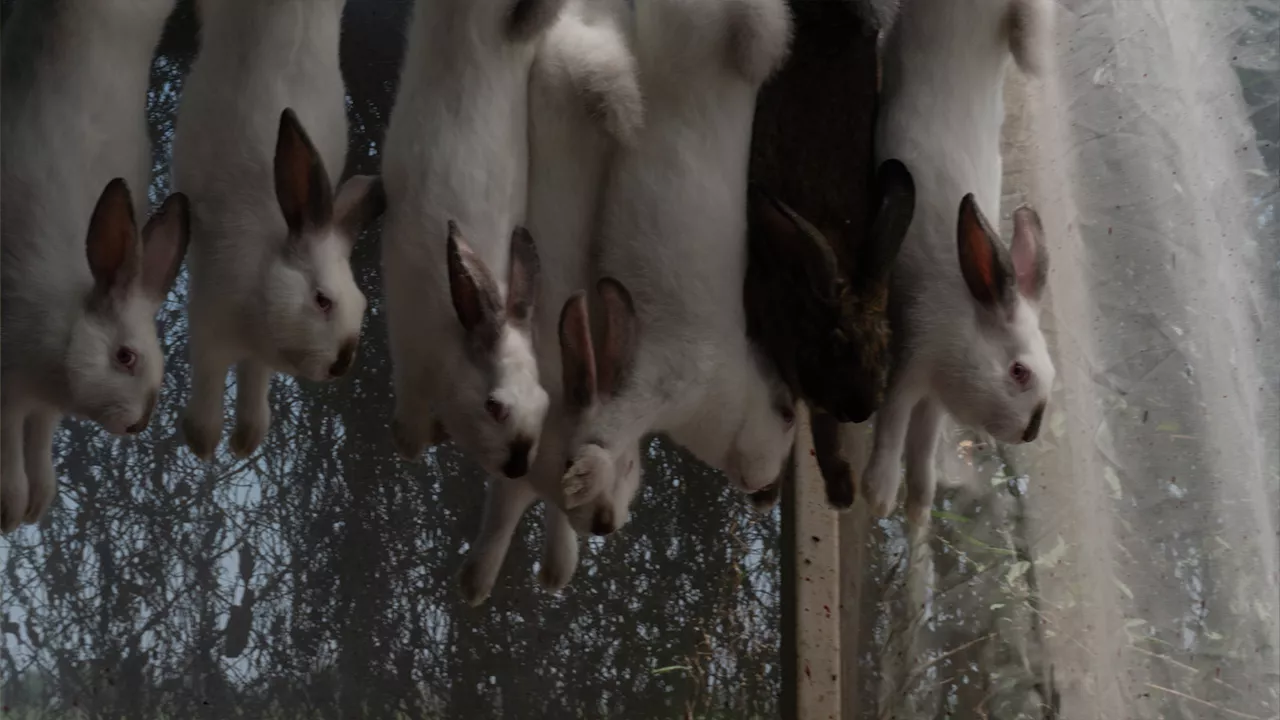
(618, 346)
(475, 295)
(111, 243)
(893, 218)
(360, 200)
(577, 356)
(779, 238)
(302, 185)
(522, 277)
(983, 260)
(164, 244)
(1029, 252)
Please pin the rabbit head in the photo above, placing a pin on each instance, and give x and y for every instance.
(498, 404)
(591, 374)
(826, 330)
(999, 378)
(311, 307)
(114, 364)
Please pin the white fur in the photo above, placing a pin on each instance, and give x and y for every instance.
(456, 150)
(941, 115)
(583, 101)
(254, 287)
(674, 235)
(75, 83)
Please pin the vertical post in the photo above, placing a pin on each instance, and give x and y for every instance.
(811, 587)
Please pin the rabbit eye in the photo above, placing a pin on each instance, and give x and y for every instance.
(496, 409)
(1020, 373)
(126, 358)
(788, 415)
(323, 302)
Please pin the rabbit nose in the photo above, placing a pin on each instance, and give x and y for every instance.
(1033, 428)
(603, 523)
(346, 357)
(142, 423)
(518, 458)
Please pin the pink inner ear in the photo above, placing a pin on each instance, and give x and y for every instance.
(1024, 250)
(158, 258)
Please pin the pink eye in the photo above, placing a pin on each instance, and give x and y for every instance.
(126, 358)
(1020, 373)
(323, 302)
(788, 415)
(496, 410)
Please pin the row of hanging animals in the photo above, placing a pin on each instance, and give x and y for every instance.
(537, 149)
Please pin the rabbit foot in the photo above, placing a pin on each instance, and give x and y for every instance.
(14, 505)
(473, 584)
(407, 446)
(880, 486)
(42, 492)
(588, 472)
(247, 437)
(201, 438)
(554, 579)
(840, 485)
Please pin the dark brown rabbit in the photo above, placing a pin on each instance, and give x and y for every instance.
(823, 230)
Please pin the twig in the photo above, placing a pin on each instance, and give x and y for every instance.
(1206, 703)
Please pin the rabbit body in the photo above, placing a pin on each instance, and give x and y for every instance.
(673, 234)
(584, 101)
(271, 282)
(73, 118)
(981, 359)
(456, 159)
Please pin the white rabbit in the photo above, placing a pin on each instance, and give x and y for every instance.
(460, 295)
(969, 340)
(674, 235)
(584, 101)
(271, 281)
(80, 291)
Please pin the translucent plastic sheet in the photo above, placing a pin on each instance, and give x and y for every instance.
(1124, 566)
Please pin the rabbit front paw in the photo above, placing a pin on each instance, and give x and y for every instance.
(13, 501)
(558, 566)
(42, 484)
(475, 581)
(248, 436)
(201, 436)
(408, 444)
(880, 487)
(587, 475)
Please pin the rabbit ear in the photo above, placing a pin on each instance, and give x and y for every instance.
(475, 295)
(522, 277)
(779, 238)
(577, 356)
(1030, 255)
(302, 185)
(164, 243)
(112, 242)
(360, 200)
(984, 262)
(893, 217)
(618, 343)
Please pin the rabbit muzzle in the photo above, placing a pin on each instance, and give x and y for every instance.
(1033, 427)
(346, 359)
(519, 455)
(145, 420)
